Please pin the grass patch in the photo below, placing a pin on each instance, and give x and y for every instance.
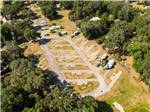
(62, 43)
(64, 48)
(124, 91)
(32, 49)
(129, 93)
(140, 108)
(85, 88)
(82, 76)
(43, 64)
(75, 60)
(75, 67)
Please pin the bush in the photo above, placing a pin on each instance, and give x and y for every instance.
(92, 30)
(100, 40)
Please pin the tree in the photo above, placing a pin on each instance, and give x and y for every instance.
(67, 4)
(13, 49)
(93, 29)
(118, 36)
(49, 9)
(114, 7)
(20, 26)
(10, 10)
(13, 99)
(127, 13)
(6, 33)
(26, 76)
(31, 34)
(28, 13)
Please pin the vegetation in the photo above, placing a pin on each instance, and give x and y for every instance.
(19, 23)
(31, 34)
(49, 9)
(121, 28)
(27, 88)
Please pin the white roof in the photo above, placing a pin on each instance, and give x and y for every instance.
(95, 19)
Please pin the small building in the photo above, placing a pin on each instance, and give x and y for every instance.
(111, 63)
(95, 19)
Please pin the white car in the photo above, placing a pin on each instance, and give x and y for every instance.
(77, 32)
(43, 24)
(110, 64)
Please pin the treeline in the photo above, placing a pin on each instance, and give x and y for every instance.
(122, 29)
(18, 22)
(49, 9)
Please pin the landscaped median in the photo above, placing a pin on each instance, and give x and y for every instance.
(85, 87)
(79, 76)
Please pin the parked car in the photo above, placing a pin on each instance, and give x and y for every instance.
(77, 32)
(43, 24)
(54, 27)
(62, 33)
(111, 63)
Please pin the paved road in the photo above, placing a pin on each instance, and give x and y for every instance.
(81, 81)
(52, 63)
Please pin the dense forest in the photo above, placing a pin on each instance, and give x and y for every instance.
(122, 29)
(24, 87)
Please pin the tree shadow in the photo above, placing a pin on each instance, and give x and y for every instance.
(53, 79)
(37, 28)
(34, 59)
(59, 17)
(43, 41)
(104, 107)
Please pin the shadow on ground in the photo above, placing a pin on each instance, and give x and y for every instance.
(43, 41)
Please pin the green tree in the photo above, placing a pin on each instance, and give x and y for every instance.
(6, 33)
(31, 34)
(49, 9)
(67, 4)
(10, 10)
(120, 34)
(13, 99)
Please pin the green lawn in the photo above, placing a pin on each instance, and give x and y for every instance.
(130, 95)
(140, 108)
